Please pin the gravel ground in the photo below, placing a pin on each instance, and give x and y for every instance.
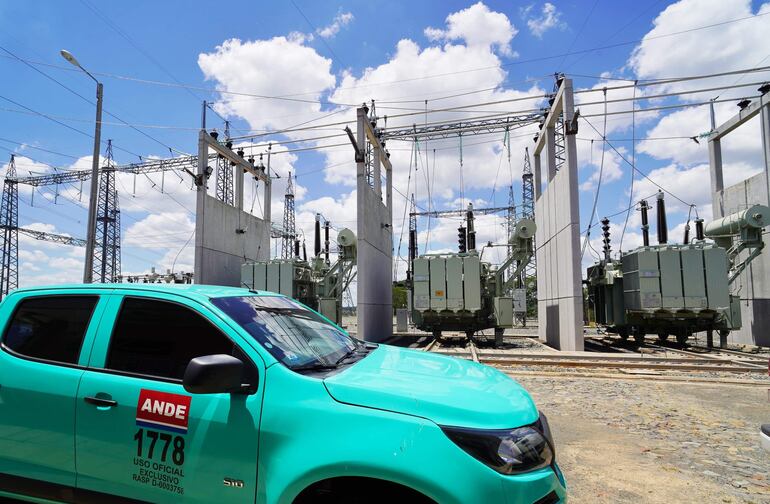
(628, 442)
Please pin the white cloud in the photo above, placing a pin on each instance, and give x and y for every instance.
(478, 26)
(340, 20)
(549, 18)
(273, 67)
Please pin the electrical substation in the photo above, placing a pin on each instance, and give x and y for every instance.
(526, 244)
(713, 282)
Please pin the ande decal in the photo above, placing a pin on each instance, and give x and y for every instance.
(163, 411)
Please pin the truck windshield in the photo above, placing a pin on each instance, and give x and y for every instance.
(293, 334)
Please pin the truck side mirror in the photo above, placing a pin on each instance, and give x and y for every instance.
(213, 374)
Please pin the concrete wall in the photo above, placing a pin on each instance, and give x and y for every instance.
(220, 249)
(753, 284)
(375, 265)
(559, 288)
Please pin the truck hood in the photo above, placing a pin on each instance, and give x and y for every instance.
(445, 390)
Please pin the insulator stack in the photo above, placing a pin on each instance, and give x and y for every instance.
(461, 240)
(317, 236)
(606, 238)
(699, 229)
(644, 207)
(662, 224)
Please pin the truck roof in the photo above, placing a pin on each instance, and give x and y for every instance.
(188, 290)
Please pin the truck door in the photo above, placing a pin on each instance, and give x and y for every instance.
(139, 434)
(40, 369)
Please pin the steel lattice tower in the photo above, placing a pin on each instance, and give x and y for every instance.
(559, 129)
(528, 212)
(528, 188)
(107, 251)
(289, 226)
(9, 223)
(224, 179)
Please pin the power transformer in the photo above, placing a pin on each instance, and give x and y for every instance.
(316, 283)
(460, 292)
(676, 289)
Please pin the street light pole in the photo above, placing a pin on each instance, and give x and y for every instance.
(88, 270)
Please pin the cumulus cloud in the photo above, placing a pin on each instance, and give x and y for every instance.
(273, 67)
(478, 26)
(549, 18)
(340, 20)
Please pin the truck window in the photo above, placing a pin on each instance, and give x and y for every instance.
(50, 328)
(159, 338)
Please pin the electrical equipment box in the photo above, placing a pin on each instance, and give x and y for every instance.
(693, 278)
(503, 311)
(273, 276)
(454, 283)
(520, 301)
(472, 282)
(247, 275)
(641, 279)
(437, 283)
(329, 308)
(286, 279)
(260, 276)
(421, 284)
(670, 277)
(717, 285)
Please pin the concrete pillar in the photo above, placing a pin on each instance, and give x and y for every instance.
(200, 199)
(717, 181)
(375, 241)
(765, 123)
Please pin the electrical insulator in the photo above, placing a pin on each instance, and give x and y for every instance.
(606, 237)
(461, 239)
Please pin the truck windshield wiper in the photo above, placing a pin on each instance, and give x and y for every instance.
(347, 355)
(314, 367)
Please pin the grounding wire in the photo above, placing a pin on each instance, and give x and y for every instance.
(638, 170)
(633, 173)
(598, 184)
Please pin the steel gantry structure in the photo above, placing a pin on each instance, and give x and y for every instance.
(107, 253)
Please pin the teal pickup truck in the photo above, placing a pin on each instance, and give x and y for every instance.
(152, 393)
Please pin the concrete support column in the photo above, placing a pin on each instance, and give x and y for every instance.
(765, 122)
(717, 181)
(200, 200)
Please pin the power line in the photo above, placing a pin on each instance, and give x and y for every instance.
(312, 27)
(289, 97)
(89, 101)
(620, 30)
(635, 168)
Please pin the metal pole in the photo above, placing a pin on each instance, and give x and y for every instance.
(88, 273)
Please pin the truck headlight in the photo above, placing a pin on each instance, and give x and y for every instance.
(507, 451)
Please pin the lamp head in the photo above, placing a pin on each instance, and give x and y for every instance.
(69, 57)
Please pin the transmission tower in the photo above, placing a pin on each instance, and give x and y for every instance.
(510, 222)
(528, 189)
(9, 223)
(528, 212)
(412, 253)
(289, 233)
(107, 251)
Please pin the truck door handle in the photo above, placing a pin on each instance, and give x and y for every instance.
(98, 401)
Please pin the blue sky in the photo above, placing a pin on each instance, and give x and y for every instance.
(347, 52)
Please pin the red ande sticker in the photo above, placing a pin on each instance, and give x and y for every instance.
(161, 410)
